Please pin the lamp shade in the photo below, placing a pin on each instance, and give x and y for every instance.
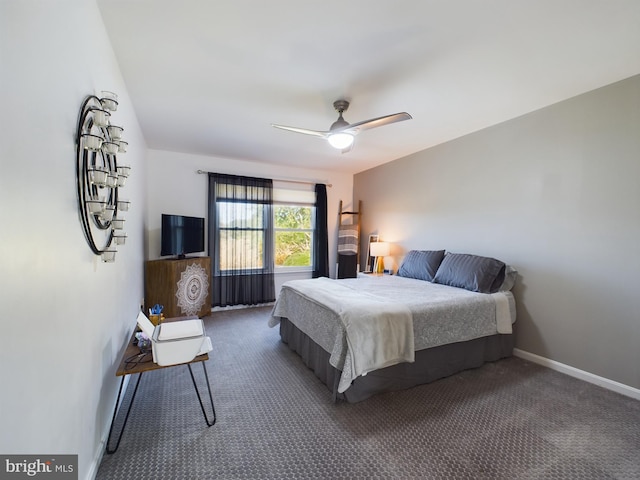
(379, 249)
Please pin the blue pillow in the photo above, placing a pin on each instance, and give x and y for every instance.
(421, 264)
(471, 272)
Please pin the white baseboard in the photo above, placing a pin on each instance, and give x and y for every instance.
(95, 464)
(579, 374)
(100, 450)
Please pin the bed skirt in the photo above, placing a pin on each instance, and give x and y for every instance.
(430, 364)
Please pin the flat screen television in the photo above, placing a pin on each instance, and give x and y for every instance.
(181, 235)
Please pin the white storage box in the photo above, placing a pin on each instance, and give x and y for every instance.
(175, 342)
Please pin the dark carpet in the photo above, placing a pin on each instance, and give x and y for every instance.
(510, 419)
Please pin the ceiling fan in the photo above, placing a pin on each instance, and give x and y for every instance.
(341, 133)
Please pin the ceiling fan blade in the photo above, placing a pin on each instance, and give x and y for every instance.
(305, 131)
(355, 128)
(348, 149)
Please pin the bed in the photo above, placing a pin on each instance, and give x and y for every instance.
(442, 313)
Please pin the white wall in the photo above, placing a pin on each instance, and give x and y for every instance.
(175, 187)
(65, 315)
(556, 193)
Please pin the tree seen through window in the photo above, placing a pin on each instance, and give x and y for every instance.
(293, 235)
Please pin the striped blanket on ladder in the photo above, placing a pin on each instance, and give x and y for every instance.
(347, 240)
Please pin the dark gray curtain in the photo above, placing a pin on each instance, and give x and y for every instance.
(241, 240)
(321, 234)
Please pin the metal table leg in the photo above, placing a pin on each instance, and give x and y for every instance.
(206, 376)
(115, 412)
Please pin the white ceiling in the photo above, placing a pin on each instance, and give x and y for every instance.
(209, 77)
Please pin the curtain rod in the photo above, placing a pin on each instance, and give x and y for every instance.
(305, 182)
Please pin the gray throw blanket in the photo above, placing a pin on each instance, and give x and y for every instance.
(379, 332)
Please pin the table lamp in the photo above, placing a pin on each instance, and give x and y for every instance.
(379, 249)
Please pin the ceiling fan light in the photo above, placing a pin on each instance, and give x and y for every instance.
(340, 140)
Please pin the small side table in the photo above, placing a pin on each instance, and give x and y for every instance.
(134, 361)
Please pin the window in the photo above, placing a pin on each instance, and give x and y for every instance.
(293, 221)
(242, 229)
(293, 226)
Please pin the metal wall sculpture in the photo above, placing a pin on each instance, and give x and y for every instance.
(100, 175)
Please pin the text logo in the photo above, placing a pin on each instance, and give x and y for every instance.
(50, 467)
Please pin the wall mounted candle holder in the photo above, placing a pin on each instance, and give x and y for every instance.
(100, 175)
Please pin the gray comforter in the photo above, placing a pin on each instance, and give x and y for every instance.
(440, 314)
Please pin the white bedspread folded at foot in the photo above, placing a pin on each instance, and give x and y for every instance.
(379, 332)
